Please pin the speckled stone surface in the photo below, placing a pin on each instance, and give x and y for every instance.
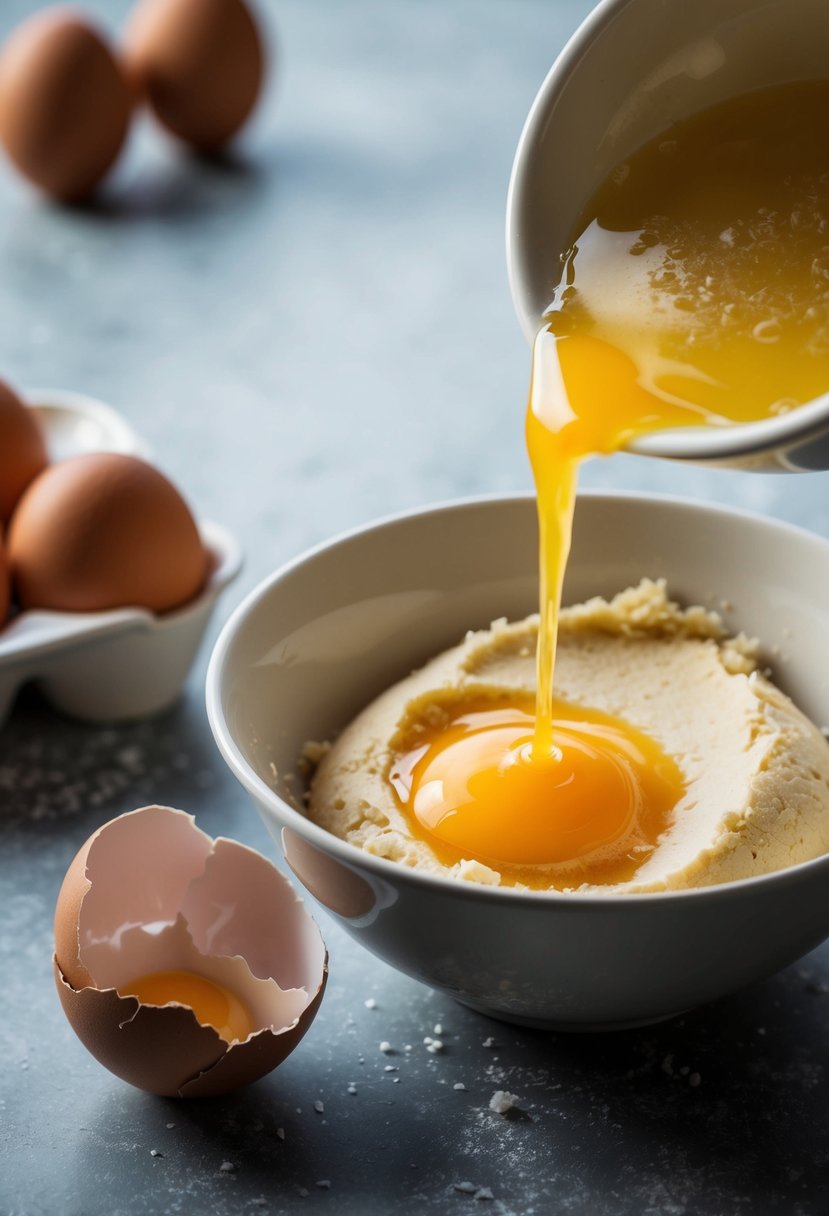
(315, 333)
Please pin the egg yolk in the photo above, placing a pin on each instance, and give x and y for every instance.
(695, 292)
(596, 802)
(212, 1003)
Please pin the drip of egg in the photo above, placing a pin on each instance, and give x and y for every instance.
(695, 292)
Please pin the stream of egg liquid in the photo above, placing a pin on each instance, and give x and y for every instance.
(695, 293)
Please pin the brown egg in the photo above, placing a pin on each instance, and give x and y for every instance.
(150, 897)
(102, 531)
(64, 103)
(22, 449)
(5, 586)
(199, 63)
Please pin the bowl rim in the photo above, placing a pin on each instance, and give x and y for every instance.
(545, 97)
(391, 871)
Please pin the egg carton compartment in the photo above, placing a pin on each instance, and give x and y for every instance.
(119, 664)
(74, 424)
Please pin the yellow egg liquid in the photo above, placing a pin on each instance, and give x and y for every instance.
(695, 293)
(597, 801)
(212, 1003)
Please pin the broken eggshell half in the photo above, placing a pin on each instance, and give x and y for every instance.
(151, 892)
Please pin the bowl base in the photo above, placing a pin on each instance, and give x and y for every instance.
(556, 1024)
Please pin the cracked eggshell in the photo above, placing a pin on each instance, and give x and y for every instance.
(151, 892)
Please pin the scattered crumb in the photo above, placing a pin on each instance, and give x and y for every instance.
(324, 1184)
(171, 1124)
(390, 1068)
(477, 1192)
(459, 1085)
(303, 1192)
(694, 1079)
(433, 1045)
(408, 1047)
(501, 1102)
(386, 1047)
(227, 1167)
(352, 1088)
(312, 754)
(155, 1153)
(280, 1133)
(370, 1003)
(319, 1107)
(490, 1042)
(395, 1080)
(437, 1029)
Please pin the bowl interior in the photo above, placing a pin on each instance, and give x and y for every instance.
(314, 644)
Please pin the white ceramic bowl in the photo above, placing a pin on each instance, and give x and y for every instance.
(630, 70)
(321, 637)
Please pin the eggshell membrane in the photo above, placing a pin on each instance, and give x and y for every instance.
(139, 953)
(104, 530)
(153, 867)
(292, 936)
(22, 450)
(199, 63)
(142, 863)
(64, 103)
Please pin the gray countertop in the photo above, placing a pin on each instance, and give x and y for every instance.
(314, 333)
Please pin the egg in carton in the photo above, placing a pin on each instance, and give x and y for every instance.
(119, 663)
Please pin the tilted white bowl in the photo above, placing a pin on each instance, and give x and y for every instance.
(631, 69)
(318, 639)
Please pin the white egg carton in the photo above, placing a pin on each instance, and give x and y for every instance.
(107, 666)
